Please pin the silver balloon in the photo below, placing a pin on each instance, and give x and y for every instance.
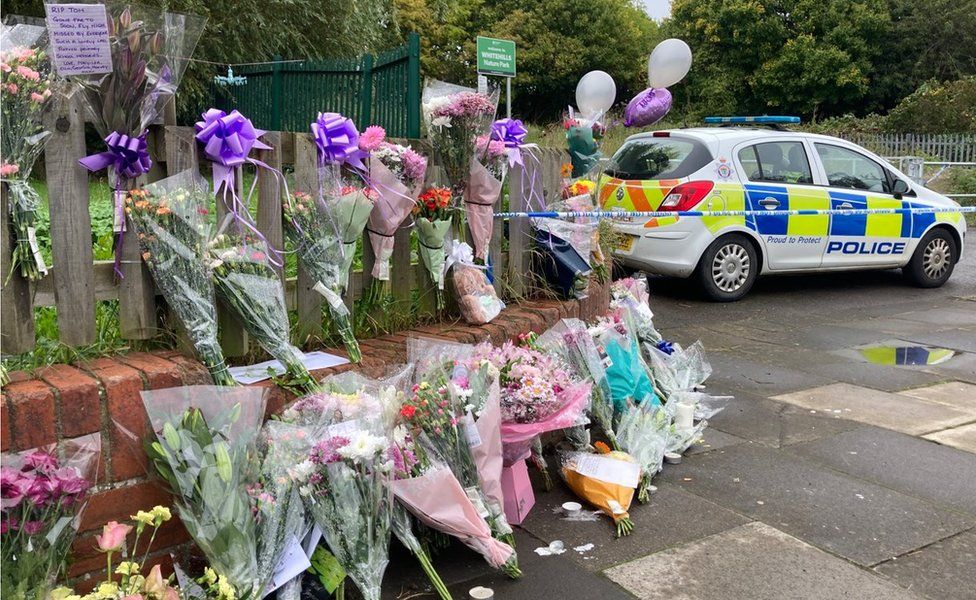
(595, 94)
(668, 63)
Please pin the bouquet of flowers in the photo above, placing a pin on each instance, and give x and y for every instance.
(169, 217)
(247, 282)
(456, 407)
(237, 507)
(42, 499)
(25, 90)
(488, 169)
(150, 50)
(644, 432)
(538, 395)
(455, 116)
(571, 339)
(631, 295)
(583, 135)
(570, 245)
(606, 480)
(325, 232)
(432, 216)
(396, 174)
(627, 373)
(347, 493)
(131, 582)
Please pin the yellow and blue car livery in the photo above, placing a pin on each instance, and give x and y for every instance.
(775, 171)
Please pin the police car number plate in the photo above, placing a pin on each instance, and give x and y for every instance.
(626, 243)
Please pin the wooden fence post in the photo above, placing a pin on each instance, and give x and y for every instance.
(269, 197)
(17, 332)
(307, 301)
(71, 231)
(413, 85)
(366, 93)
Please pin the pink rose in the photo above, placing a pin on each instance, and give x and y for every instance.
(12, 88)
(113, 536)
(37, 97)
(155, 585)
(5, 67)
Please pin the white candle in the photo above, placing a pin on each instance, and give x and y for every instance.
(481, 593)
(684, 418)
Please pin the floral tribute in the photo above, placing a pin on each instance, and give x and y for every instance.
(433, 218)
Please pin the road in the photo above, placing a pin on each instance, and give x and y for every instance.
(820, 480)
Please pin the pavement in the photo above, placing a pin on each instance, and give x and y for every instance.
(827, 477)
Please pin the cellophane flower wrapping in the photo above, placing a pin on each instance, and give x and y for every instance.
(538, 394)
(247, 282)
(170, 219)
(644, 432)
(25, 90)
(455, 116)
(631, 295)
(396, 175)
(347, 493)
(683, 369)
(607, 481)
(706, 406)
(488, 170)
(456, 407)
(573, 340)
(433, 218)
(316, 235)
(43, 492)
(583, 133)
(627, 373)
(206, 451)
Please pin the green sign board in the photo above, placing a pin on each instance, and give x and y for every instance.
(496, 57)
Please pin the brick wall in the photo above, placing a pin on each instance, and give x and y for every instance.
(64, 401)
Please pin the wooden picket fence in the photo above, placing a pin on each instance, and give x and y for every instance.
(76, 282)
(953, 147)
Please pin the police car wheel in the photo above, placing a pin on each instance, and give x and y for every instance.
(728, 268)
(933, 261)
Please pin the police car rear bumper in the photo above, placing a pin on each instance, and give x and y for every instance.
(671, 253)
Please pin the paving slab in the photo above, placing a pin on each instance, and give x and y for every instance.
(753, 561)
(961, 366)
(899, 326)
(947, 317)
(738, 373)
(908, 464)
(775, 424)
(955, 339)
(851, 517)
(963, 438)
(883, 409)
(957, 394)
(713, 439)
(671, 517)
(945, 570)
(860, 372)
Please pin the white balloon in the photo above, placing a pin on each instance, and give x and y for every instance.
(668, 63)
(595, 94)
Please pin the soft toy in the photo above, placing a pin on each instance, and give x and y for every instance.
(476, 296)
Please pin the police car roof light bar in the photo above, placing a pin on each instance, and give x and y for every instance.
(771, 121)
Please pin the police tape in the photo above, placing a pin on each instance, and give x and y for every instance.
(650, 214)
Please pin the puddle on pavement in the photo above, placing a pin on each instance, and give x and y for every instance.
(898, 354)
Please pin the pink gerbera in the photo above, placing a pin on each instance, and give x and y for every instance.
(371, 139)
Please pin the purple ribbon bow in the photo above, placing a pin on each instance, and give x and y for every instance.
(227, 139)
(128, 156)
(337, 141)
(510, 132)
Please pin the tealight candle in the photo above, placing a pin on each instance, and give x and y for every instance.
(481, 593)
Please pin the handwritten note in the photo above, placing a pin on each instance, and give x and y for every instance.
(79, 38)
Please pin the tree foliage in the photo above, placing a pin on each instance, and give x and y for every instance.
(937, 108)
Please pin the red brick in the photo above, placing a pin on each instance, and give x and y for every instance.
(159, 372)
(121, 385)
(32, 414)
(16, 376)
(5, 441)
(496, 332)
(193, 372)
(77, 395)
(118, 503)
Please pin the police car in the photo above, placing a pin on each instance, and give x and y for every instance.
(737, 168)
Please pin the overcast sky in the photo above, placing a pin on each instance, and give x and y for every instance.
(658, 9)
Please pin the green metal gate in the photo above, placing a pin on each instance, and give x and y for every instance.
(372, 90)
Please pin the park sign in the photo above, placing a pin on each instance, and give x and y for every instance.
(496, 57)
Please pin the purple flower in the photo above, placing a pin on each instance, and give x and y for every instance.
(467, 104)
(41, 461)
(14, 485)
(8, 524)
(33, 527)
(40, 492)
(325, 452)
(414, 165)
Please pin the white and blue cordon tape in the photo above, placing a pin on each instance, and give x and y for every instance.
(648, 214)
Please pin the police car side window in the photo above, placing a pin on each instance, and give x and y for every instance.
(778, 162)
(849, 169)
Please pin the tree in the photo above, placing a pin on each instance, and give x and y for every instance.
(812, 57)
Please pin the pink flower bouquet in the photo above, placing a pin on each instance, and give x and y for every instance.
(42, 498)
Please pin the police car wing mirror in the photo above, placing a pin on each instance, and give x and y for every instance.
(899, 189)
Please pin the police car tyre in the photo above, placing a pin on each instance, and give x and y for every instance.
(728, 268)
(934, 259)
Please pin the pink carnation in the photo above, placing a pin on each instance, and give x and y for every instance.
(371, 139)
(12, 88)
(8, 169)
(28, 73)
(466, 104)
(37, 97)
(414, 164)
(5, 67)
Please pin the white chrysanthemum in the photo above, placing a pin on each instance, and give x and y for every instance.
(302, 471)
(441, 122)
(362, 446)
(400, 434)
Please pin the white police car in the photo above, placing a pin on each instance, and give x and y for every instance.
(750, 168)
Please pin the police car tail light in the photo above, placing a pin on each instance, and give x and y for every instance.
(686, 195)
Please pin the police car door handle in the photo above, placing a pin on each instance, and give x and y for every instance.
(845, 206)
(769, 203)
